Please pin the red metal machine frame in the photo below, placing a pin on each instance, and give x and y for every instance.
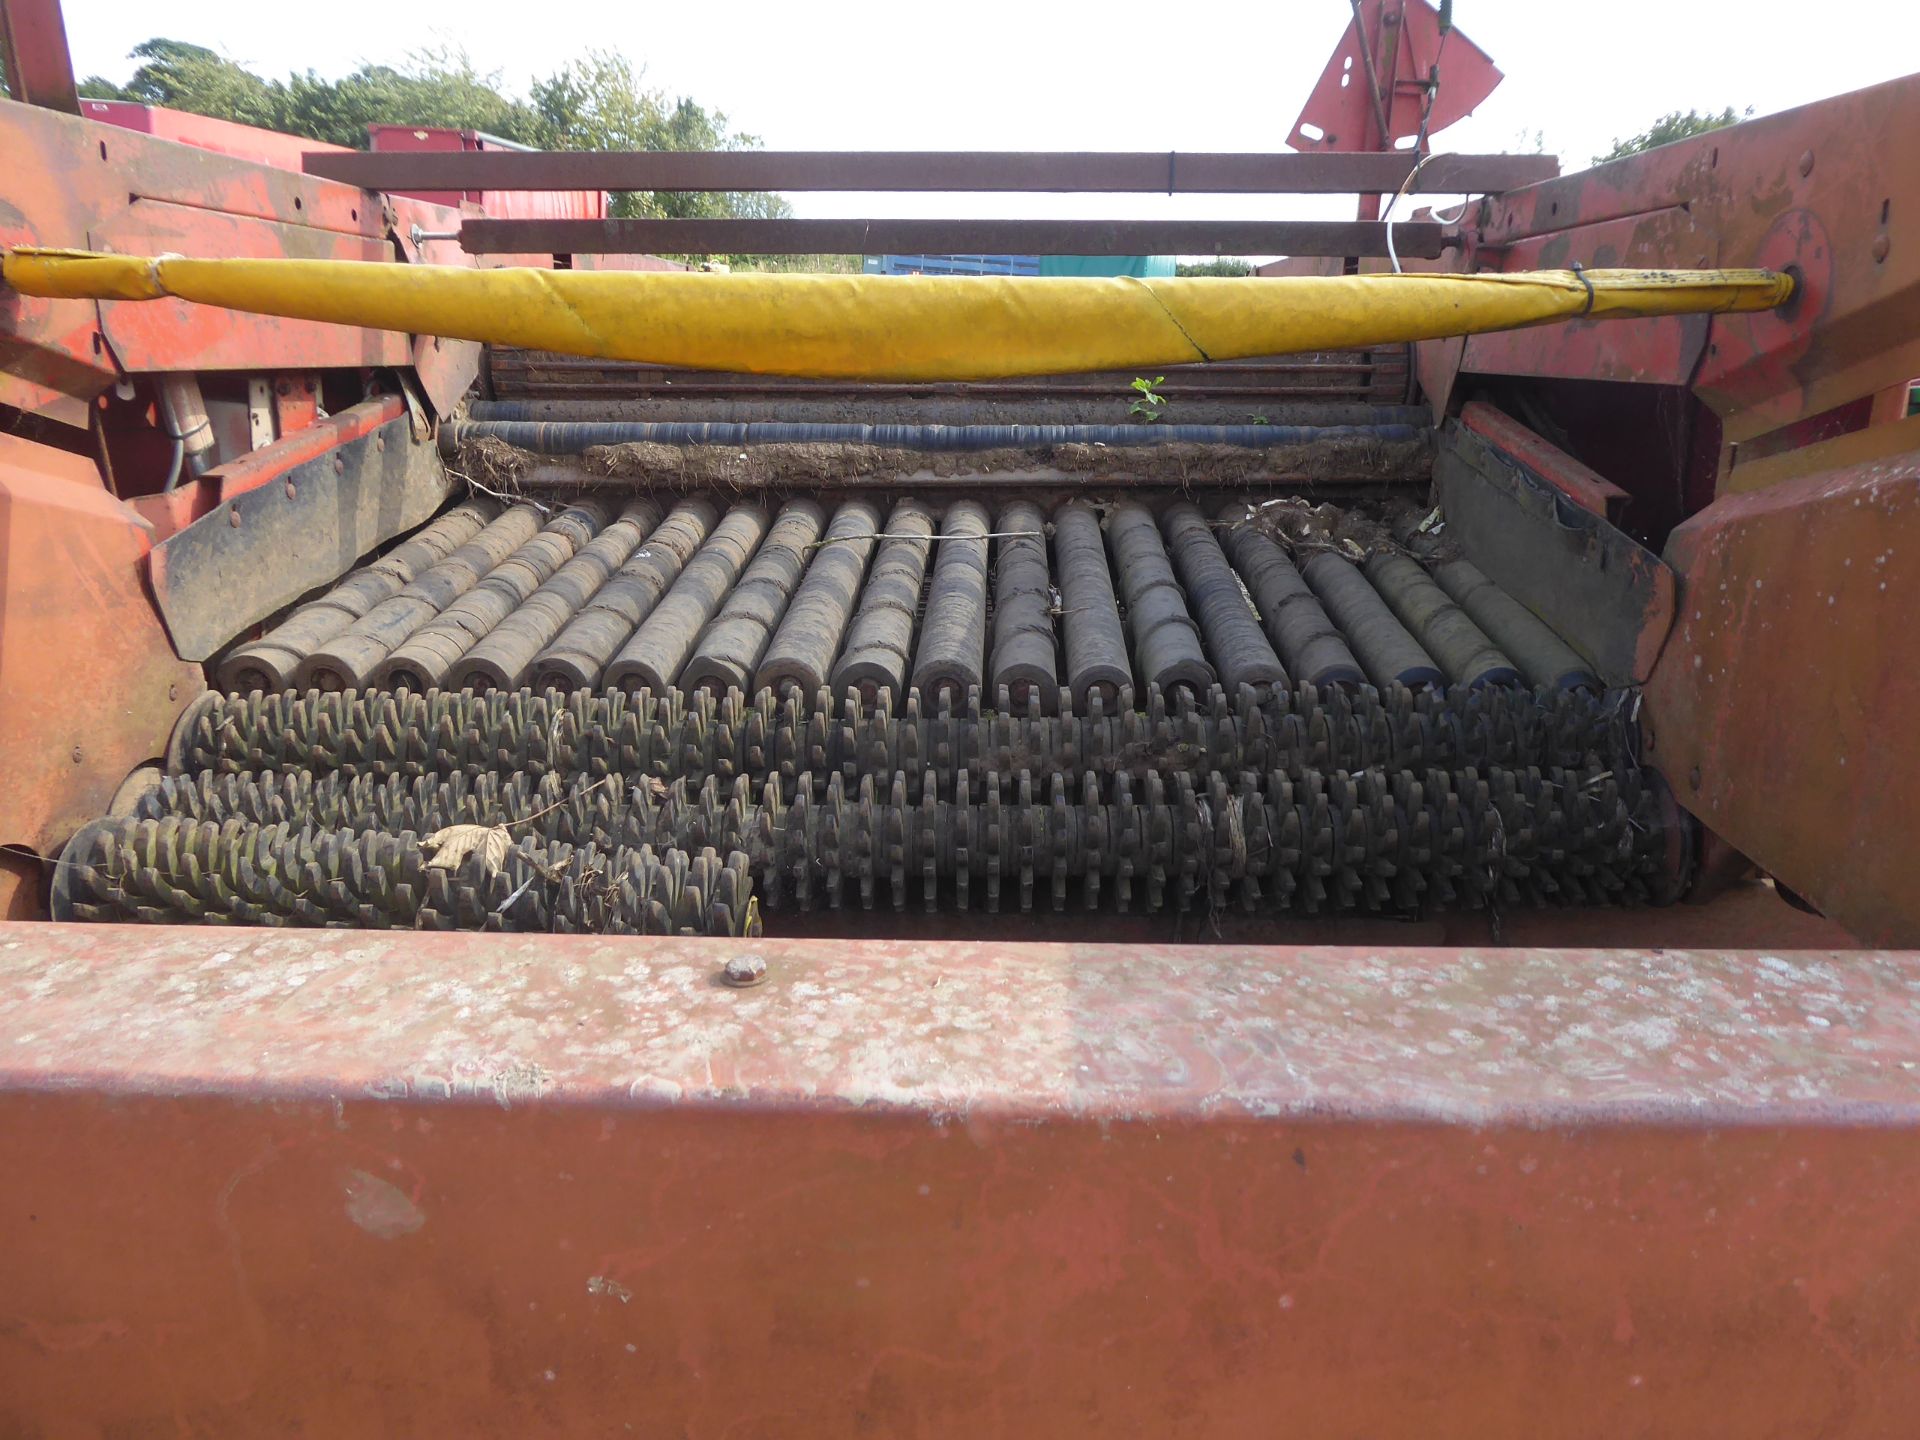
(502, 1186)
(507, 1186)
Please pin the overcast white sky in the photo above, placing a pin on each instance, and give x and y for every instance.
(1058, 76)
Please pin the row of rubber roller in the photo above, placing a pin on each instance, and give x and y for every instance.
(673, 734)
(1057, 610)
(172, 870)
(1400, 842)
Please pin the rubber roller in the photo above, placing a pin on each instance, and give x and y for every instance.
(951, 658)
(581, 652)
(1234, 638)
(505, 657)
(1385, 647)
(1296, 622)
(658, 650)
(346, 661)
(672, 733)
(731, 646)
(169, 870)
(800, 655)
(431, 652)
(1368, 840)
(271, 662)
(1024, 662)
(1543, 657)
(1442, 627)
(1166, 643)
(879, 640)
(1096, 644)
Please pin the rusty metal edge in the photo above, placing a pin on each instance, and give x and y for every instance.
(1556, 1037)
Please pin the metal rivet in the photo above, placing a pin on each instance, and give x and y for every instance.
(1881, 245)
(283, 388)
(76, 755)
(742, 971)
(233, 518)
(1693, 777)
(291, 491)
(173, 692)
(339, 465)
(380, 442)
(1806, 163)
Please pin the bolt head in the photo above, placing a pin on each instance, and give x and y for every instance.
(292, 490)
(1881, 245)
(744, 970)
(233, 518)
(78, 755)
(1806, 163)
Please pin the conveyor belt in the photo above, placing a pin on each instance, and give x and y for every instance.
(1039, 603)
(675, 712)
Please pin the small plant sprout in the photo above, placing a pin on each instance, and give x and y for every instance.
(1148, 403)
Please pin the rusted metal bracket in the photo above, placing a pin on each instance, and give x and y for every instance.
(263, 549)
(1600, 590)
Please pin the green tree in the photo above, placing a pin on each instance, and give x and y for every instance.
(1226, 265)
(597, 102)
(1675, 125)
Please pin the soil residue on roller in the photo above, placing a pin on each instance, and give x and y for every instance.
(729, 468)
(1301, 525)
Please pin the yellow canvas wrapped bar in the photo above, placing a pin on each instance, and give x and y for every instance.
(874, 327)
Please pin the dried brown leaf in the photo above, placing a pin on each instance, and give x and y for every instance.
(451, 847)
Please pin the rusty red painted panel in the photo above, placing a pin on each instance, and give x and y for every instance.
(1778, 706)
(77, 623)
(1808, 188)
(156, 335)
(510, 1186)
(205, 132)
(1394, 44)
(34, 55)
(85, 183)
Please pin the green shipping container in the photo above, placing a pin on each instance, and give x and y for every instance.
(1146, 266)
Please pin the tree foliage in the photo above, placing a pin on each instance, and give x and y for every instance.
(1225, 265)
(1675, 125)
(597, 102)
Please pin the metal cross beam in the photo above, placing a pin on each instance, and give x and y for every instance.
(1151, 172)
(938, 237)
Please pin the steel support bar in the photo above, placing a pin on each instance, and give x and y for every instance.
(34, 55)
(1416, 238)
(501, 1186)
(575, 437)
(1111, 172)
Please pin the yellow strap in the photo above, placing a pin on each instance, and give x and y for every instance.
(875, 327)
